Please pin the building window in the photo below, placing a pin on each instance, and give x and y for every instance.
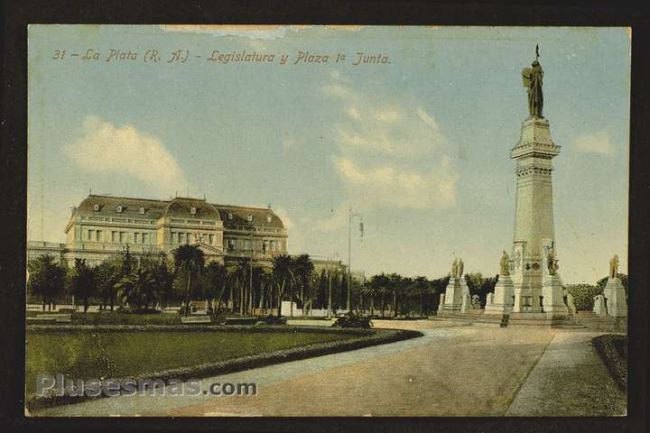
(122, 237)
(231, 244)
(96, 207)
(98, 236)
(211, 239)
(144, 238)
(230, 216)
(141, 210)
(114, 237)
(272, 245)
(136, 237)
(193, 210)
(269, 218)
(250, 218)
(119, 209)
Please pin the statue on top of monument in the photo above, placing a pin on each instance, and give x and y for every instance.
(504, 264)
(533, 80)
(454, 268)
(461, 266)
(551, 263)
(613, 267)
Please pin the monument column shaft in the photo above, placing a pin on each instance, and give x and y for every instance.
(534, 210)
(534, 228)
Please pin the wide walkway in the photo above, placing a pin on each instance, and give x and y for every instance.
(454, 370)
(569, 380)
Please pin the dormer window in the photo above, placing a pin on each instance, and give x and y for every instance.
(269, 218)
(141, 210)
(193, 210)
(250, 218)
(230, 216)
(96, 207)
(119, 209)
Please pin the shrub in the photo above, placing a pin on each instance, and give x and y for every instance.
(353, 321)
(583, 295)
(274, 320)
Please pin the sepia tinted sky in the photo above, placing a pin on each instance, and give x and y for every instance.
(419, 145)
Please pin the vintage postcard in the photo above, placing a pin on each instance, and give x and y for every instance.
(327, 221)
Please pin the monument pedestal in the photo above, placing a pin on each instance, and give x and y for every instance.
(455, 295)
(553, 298)
(615, 302)
(502, 301)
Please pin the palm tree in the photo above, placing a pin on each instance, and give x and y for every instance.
(283, 275)
(262, 279)
(216, 277)
(83, 282)
(303, 269)
(190, 260)
(237, 274)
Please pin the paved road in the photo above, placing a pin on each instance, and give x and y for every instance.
(452, 371)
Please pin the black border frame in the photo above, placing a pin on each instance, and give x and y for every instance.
(13, 178)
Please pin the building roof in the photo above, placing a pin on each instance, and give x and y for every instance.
(233, 217)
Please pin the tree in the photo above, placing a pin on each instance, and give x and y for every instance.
(46, 279)
(189, 259)
(262, 282)
(163, 279)
(583, 295)
(420, 287)
(138, 290)
(479, 285)
(83, 282)
(283, 277)
(303, 269)
(238, 276)
(107, 275)
(381, 287)
(216, 278)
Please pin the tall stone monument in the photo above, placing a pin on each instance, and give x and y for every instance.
(533, 264)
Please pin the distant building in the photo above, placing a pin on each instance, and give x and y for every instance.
(102, 226)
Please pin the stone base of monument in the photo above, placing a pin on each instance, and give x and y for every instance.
(455, 297)
(553, 301)
(502, 301)
(615, 302)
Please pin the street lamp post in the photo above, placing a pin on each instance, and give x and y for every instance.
(350, 217)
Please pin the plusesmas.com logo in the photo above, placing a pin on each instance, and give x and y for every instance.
(61, 386)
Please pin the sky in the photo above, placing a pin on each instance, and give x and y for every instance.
(416, 144)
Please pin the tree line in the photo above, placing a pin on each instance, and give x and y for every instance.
(153, 281)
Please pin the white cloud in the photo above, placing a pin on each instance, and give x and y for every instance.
(106, 148)
(598, 143)
(296, 243)
(396, 129)
(391, 153)
(399, 186)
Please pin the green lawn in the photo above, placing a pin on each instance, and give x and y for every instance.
(89, 354)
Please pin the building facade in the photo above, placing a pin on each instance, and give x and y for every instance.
(102, 226)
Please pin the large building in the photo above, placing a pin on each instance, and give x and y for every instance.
(102, 226)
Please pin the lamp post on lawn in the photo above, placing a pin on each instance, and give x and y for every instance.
(351, 216)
